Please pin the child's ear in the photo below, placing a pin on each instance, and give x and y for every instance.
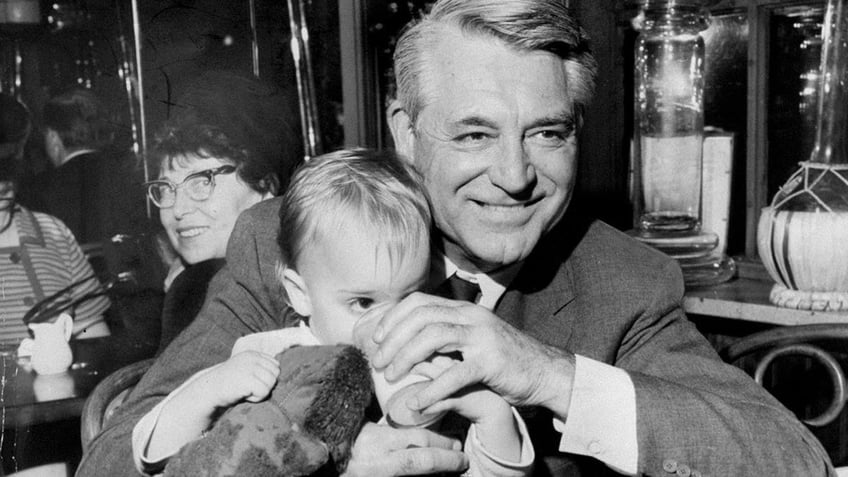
(297, 292)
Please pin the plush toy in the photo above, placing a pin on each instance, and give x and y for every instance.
(307, 426)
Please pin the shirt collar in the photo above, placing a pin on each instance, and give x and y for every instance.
(492, 286)
(75, 154)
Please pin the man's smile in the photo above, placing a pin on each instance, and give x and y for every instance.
(503, 214)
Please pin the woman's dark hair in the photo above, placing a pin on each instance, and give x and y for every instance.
(237, 118)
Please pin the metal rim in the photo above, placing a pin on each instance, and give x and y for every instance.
(834, 370)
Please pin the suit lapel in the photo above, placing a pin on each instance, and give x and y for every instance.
(537, 299)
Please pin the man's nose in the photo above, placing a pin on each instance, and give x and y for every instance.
(513, 171)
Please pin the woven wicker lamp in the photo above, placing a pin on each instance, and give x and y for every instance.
(801, 237)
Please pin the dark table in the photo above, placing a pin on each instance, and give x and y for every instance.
(27, 398)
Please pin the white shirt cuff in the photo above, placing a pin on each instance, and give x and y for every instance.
(601, 420)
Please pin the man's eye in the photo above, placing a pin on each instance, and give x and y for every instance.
(472, 137)
(551, 136)
(362, 304)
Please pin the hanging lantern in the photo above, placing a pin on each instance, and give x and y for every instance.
(20, 11)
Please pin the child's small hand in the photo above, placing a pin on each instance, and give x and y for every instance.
(249, 375)
(479, 405)
(497, 429)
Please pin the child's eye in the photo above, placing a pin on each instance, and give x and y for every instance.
(361, 304)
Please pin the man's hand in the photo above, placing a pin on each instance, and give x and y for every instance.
(519, 368)
(382, 451)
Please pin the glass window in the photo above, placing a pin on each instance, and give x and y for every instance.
(725, 104)
(793, 66)
(90, 44)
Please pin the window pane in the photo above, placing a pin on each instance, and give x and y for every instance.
(725, 104)
(793, 70)
(181, 43)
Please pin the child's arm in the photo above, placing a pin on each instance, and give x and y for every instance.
(498, 443)
(495, 425)
(188, 411)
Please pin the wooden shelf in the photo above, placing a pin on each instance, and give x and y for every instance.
(748, 300)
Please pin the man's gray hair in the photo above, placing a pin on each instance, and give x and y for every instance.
(530, 25)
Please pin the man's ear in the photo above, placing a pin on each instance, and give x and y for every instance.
(54, 146)
(400, 125)
(296, 292)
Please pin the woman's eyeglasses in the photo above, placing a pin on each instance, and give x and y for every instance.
(199, 187)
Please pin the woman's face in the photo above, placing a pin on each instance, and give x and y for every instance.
(199, 230)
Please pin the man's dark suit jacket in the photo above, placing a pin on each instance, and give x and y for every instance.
(588, 289)
(96, 194)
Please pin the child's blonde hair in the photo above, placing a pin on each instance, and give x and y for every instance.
(377, 190)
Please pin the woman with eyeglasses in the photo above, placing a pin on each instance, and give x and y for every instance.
(39, 256)
(229, 147)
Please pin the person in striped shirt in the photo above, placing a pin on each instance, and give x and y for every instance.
(39, 256)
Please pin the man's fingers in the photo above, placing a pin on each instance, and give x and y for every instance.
(399, 326)
(434, 366)
(399, 313)
(404, 321)
(451, 381)
(436, 337)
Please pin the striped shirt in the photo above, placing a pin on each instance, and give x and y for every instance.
(47, 260)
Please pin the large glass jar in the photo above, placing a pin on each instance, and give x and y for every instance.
(669, 115)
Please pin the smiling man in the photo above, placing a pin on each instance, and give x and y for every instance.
(576, 324)
(496, 143)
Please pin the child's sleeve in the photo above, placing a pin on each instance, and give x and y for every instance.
(268, 342)
(482, 463)
(274, 342)
(143, 431)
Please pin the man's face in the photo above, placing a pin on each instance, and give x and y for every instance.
(496, 145)
(349, 272)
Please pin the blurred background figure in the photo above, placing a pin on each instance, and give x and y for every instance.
(78, 187)
(39, 255)
(232, 142)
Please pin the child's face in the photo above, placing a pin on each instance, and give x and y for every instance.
(343, 275)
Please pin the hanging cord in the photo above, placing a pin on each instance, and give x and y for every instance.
(58, 302)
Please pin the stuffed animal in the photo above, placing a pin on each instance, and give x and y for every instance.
(307, 426)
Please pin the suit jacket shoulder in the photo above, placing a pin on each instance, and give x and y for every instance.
(584, 277)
